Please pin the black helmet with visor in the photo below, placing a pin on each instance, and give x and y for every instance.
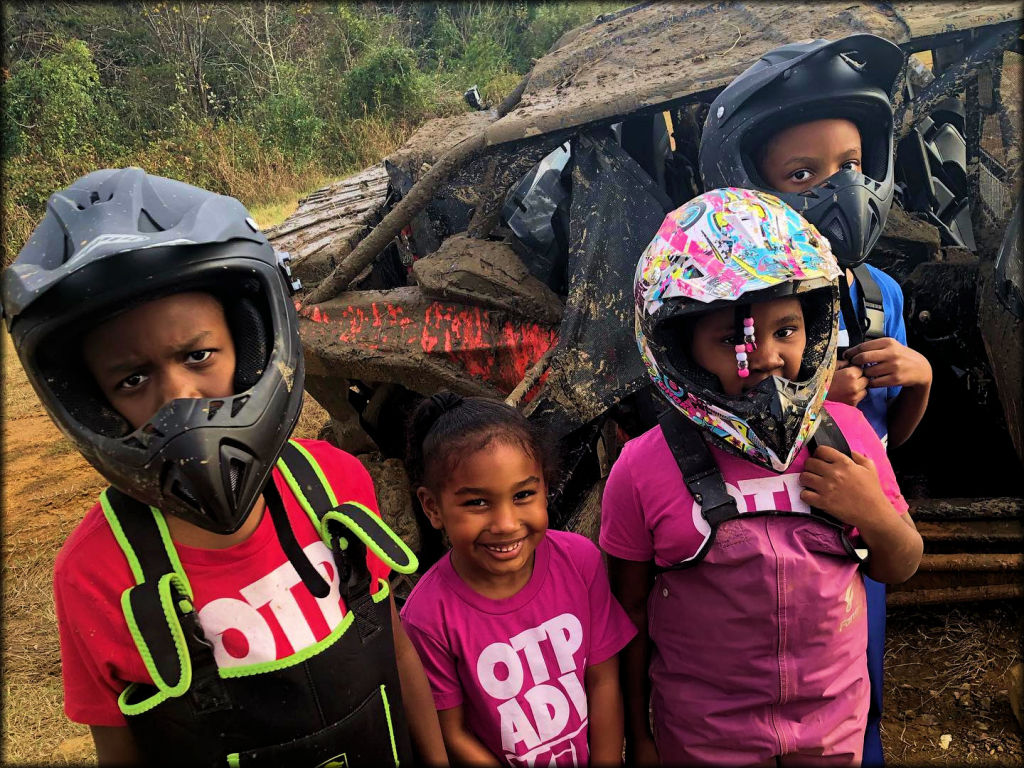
(852, 78)
(118, 238)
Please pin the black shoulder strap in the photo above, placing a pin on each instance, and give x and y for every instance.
(828, 433)
(348, 529)
(704, 479)
(873, 310)
(312, 488)
(700, 471)
(158, 609)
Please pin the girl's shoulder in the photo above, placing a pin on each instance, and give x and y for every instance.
(572, 550)
(855, 427)
(572, 544)
(427, 595)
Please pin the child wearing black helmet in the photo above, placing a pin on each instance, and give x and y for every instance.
(226, 601)
(812, 122)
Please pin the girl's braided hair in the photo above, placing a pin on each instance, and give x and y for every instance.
(444, 428)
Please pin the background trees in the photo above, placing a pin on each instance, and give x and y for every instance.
(258, 99)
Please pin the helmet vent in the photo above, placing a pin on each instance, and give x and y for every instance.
(854, 59)
(94, 197)
(147, 223)
(179, 490)
(835, 231)
(149, 429)
(236, 471)
(238, 403)
(133, 442)
(215, 405)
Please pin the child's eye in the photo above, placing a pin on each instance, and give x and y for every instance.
(800, 175)
(134, 381)
(523, 495)
(851, 165)
(198, 355)
(785, 333)
(474, 503)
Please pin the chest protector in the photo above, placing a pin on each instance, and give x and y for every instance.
(869, 322)
(335, 703)
(705, 483)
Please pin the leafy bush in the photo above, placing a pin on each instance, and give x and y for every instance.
(54, 98)
(386, 80)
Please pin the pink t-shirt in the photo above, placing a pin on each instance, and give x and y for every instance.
(517, 665)
(759, 649)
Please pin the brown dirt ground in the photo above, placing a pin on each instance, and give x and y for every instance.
(946, 667)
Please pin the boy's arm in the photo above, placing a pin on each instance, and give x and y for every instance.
(465, 748)
(115, 745)
(631, 584)
(849, 490)
(887, 362)
(421, 714)
(604, 704)
(907, 410)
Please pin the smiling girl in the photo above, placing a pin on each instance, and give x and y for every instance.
(516, 625)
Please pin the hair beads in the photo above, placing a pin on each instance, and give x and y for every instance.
(749, 340)
(749, 345)
(741, 361)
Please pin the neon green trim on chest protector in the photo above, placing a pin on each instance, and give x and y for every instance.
(133, 561)
(165, 690)
(338, 515)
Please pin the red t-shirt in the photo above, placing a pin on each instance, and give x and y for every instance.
(252, 605)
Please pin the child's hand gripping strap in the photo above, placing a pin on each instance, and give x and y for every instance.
(828, 433)
(159, 611)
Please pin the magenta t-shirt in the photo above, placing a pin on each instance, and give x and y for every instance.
(517, 665)
(759, 649)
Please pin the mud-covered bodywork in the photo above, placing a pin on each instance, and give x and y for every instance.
(423, 272)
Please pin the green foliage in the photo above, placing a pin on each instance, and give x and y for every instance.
(386, 80)
(248, 99)
(53, 98)
(288, 119)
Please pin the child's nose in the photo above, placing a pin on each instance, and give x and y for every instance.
(766, 357)
(505, 519)
(178, 384)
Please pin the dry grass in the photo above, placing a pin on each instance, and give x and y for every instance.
(312, 419)
(946, 674)
(35, 730)
(271, 213)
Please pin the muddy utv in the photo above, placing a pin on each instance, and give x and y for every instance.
(493, 254)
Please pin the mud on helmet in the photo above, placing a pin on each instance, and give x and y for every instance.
(851, 78)
(118, 238)
(730, 248)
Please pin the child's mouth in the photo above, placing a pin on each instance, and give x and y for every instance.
(505, 550)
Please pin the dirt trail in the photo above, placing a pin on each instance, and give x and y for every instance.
(945, 667)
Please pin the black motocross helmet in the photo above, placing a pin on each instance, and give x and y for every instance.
(851, 78)
(115, 239)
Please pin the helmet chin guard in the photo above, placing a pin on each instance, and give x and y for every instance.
(116, 239)
(728, 248)
(852, 78)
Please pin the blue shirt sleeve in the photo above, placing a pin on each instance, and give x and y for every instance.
(892, 305)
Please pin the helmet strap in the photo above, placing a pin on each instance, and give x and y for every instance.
(314, 582)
